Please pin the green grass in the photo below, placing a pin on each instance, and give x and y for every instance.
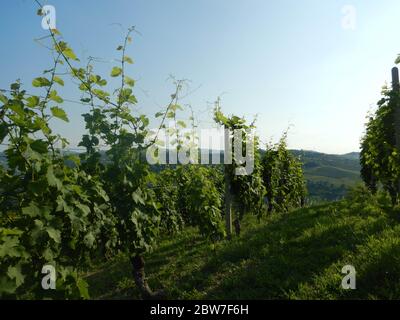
(333, 172)
(329, 176)
(298, 255)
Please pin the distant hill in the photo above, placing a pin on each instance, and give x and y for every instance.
(351, 156)
(329, 176)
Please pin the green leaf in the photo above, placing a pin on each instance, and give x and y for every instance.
(15, 86)
(32, 210)
(84, 208)
(83, 86)
(62, 205)
(39, 146)
(54, 234)
(116, 71)
(129, 81)
(100, 93)
(83, 288)
(3, 98)
(102, 82)
(159, 114)
(52, 179)
(53, 96)
(6, 285)
(18, 108)
(41, 82)
(13, 232)
(137, 197)
(120, 48)
(48, 254)
(31, 154)
(9, 247)
(32, 101)
(59, 113)
(15, 273)
(132, 99)
(175, 107)
(145, 120)
(62, 47)
(58, 80)
(89, 240)
(170, 115)
(128, 59)
(42, 124)
(69, 53)
(125, 95)
(397, 61)
(181, 123)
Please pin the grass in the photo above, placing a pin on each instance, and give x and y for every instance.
(336, 182)
(297, 255)
(333, 172)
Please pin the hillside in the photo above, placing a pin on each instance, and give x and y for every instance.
(292, 256)
(329, 176)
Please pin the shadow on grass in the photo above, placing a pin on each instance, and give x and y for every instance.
(272, 260)
(265, 262)
(378, 275)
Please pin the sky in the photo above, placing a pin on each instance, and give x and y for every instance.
(313, 66)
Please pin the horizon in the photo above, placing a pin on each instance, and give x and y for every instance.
(80, 149)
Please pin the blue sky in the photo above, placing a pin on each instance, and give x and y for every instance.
(289, 61)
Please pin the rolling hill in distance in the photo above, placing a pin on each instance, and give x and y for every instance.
(328, 176)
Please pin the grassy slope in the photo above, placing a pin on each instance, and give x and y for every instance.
(341, 175)
(298, 255)
(329, 176)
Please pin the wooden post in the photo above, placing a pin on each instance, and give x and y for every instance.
(396, 89)
(228, 207)
(228, 195)
(395, 78)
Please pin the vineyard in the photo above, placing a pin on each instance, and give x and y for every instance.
(113, 223)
